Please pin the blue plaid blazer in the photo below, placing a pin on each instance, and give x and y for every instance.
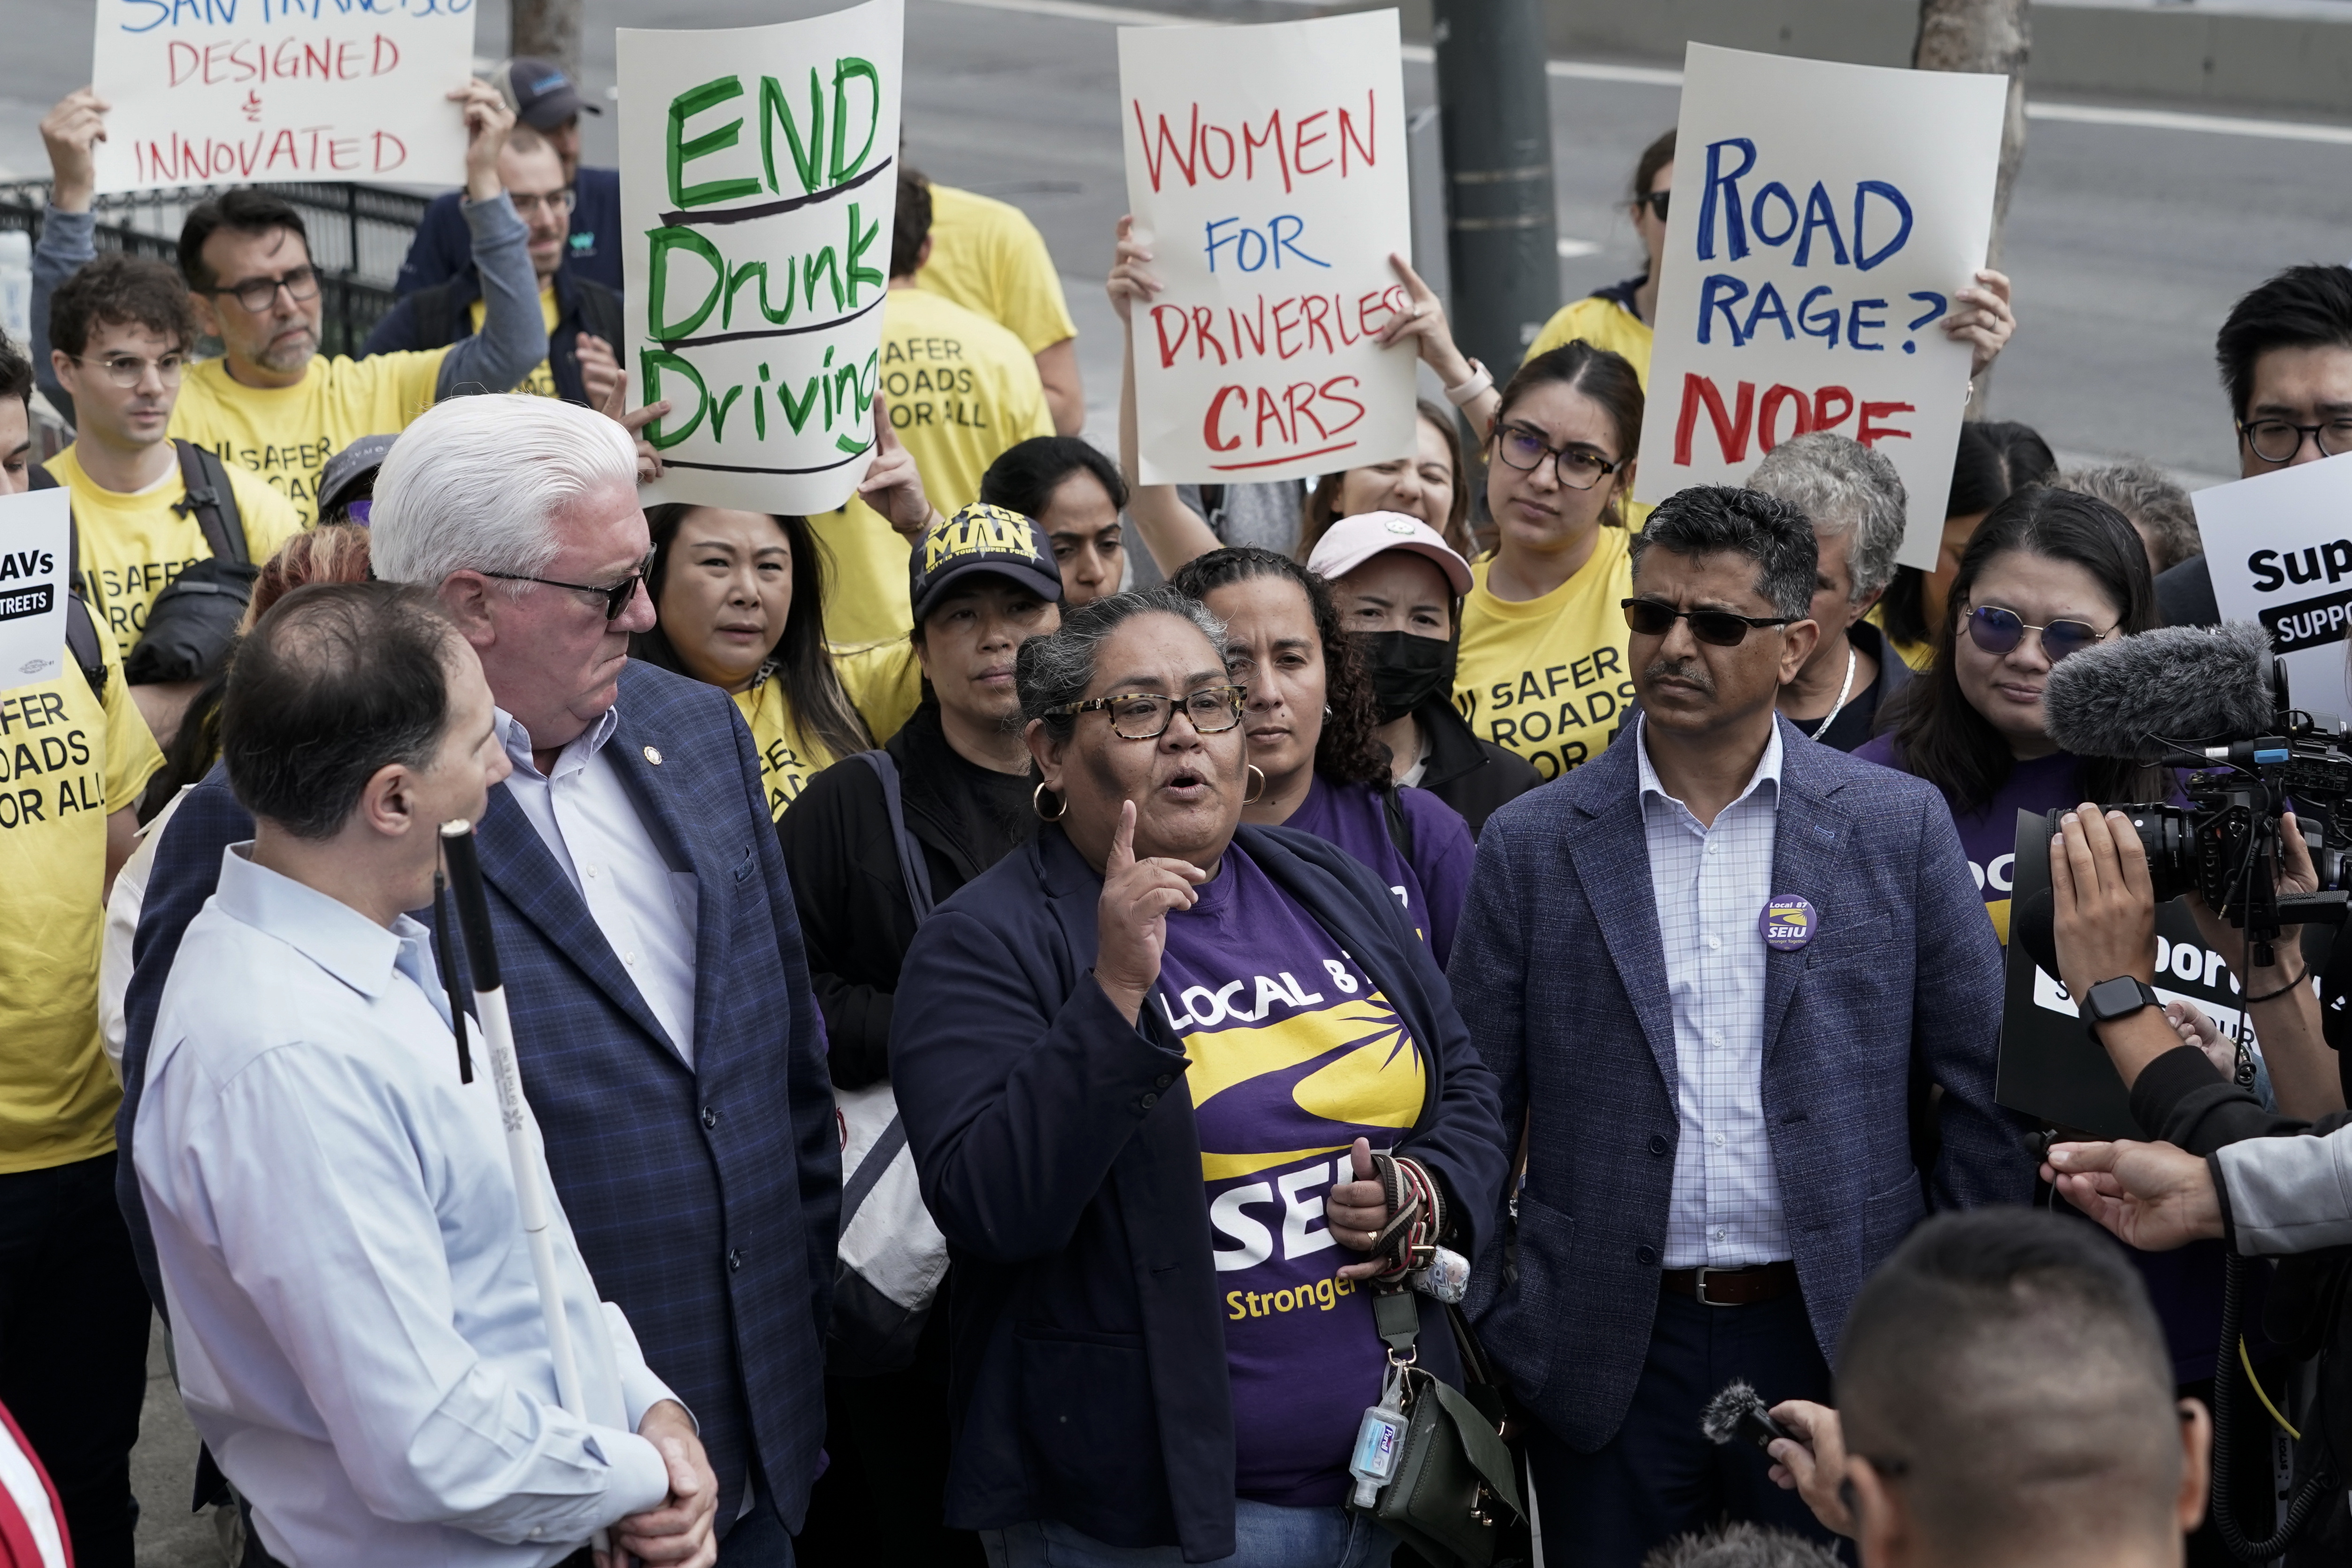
(1558, 970)
(706, 1200)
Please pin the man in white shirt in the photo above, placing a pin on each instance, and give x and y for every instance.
(359, 1333)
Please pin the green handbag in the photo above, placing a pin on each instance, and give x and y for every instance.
(1456, 1491)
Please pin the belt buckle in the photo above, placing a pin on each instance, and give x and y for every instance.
(1700, 1280)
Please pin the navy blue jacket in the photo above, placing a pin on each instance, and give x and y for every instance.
(706, 1200)
(441, 248)
(1560, 972)
(443, 314)
(1058, 1153)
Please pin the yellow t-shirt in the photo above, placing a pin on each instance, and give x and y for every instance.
(987, 256)
(286, 433)
(962, 390)
(540, 381)
(884, 682)
(789, 757)
(1603, 323)
(133, 545)
(66, 764)
(1547, 677)
(1919, 656)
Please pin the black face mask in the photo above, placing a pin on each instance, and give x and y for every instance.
(1407, 670)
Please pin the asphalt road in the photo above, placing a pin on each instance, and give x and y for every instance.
(2127, 244)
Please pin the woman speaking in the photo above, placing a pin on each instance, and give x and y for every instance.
(1145, 1000)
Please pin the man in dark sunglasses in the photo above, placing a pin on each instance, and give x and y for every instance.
(1746, 936)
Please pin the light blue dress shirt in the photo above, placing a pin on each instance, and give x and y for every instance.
(358, 1330)
(1711, 885)
(585, 815)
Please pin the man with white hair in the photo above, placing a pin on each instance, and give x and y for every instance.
(653, 962)
(1854, 499)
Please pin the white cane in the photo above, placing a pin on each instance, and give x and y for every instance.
(498, 1037)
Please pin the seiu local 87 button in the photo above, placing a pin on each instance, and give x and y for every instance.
(1788, 922)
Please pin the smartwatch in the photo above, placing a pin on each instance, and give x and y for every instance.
(2118, 998)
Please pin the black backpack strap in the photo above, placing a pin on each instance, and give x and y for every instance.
(600, 312)
(82, 630)
(1400, 825)
(910, 849)
(213, 501)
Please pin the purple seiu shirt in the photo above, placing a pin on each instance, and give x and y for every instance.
(1294, 1056)
(1433, 884)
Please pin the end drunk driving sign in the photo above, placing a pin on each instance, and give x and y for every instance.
(1822, 217)
(758, 178)
(1265, 168)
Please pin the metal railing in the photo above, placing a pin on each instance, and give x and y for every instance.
(358, 235)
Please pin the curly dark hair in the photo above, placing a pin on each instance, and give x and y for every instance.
(1348, 750)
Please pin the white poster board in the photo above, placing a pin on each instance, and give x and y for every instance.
(33, 537)
(2279, 547)
(758, 178)
(1265, 168)
(1822, 217)
(236, 92)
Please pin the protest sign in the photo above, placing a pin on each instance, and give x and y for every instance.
(758, 178)
(238, 92)
(2279, 547)
(33, 553)
(1823, 216)
(1265, 168)
(2050, 1068)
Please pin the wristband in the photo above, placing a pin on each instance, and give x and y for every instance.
(2274, 996)
(1481, 378)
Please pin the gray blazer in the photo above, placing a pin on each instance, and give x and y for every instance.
(1558, 971)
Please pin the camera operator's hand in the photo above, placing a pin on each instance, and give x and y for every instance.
(1814, 1466)
(2295, 874)
(2106, 926)
(2153, 1196)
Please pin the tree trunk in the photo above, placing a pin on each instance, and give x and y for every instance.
(549, 30)
(1992, 35)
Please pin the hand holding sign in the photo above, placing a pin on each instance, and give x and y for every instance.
(1981, 319)
(71, 132)
(488, 122)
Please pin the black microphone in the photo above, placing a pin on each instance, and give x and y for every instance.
(1738, 1412)
(2182, 683)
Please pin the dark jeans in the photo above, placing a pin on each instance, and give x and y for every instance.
(73, 1344)
(882, 1501)
(1659, 1478)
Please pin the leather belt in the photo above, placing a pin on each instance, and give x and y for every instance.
(1732, 1286)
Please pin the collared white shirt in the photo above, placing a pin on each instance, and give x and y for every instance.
(358, 1329)
(592, 826)
(1711, 885)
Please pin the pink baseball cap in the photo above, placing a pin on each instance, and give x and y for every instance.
(1352, 541)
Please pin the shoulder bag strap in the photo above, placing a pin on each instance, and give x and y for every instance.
(209, 499)
(910, 849)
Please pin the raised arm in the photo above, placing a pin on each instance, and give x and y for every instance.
(514, 333)
(1172, 531)
(69, 131)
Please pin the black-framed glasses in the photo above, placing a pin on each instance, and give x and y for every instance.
(129, 370)
(1525, 449)
(1146, 715)
(2278, 440)
(1655, 201)
(617, 597)
(1998, 631)
(258, 294)
(555, 203)
(1722, 628)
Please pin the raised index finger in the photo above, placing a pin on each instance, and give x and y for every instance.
(1122, 841)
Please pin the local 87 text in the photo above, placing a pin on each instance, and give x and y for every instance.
(1766, 223)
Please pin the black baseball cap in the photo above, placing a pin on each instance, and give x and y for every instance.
(981, 538)
(541, 96)
(349, 474)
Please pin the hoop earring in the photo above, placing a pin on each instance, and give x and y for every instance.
(1037, 804)
(1257, 795)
